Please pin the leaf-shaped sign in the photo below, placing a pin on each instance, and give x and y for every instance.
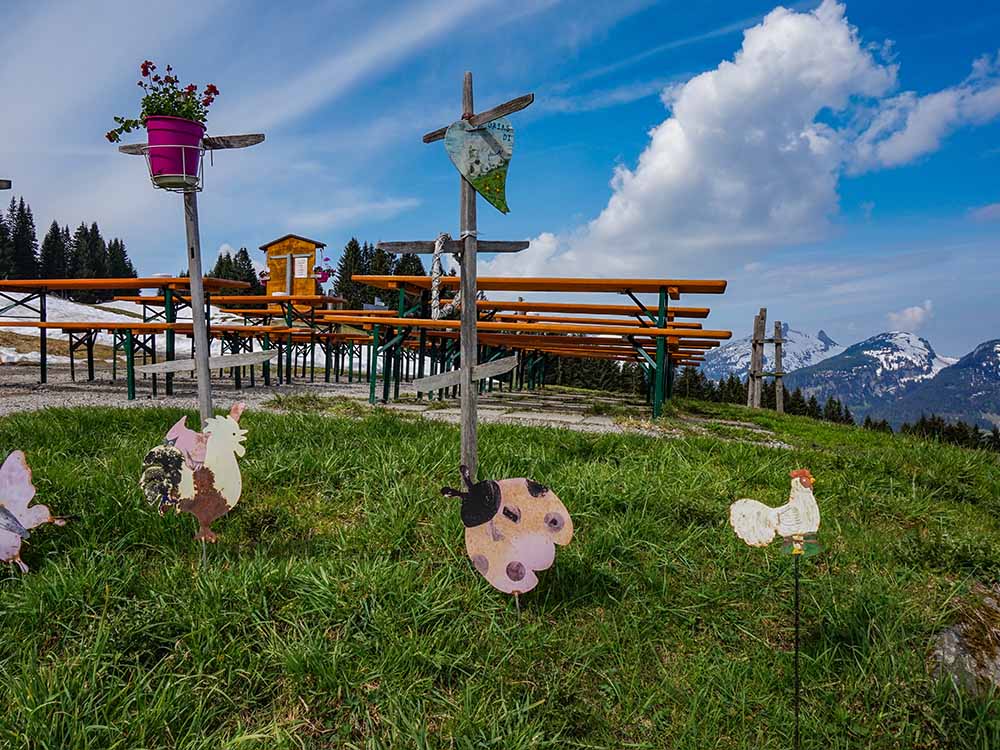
(482, 155)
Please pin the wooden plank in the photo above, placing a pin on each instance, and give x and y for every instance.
(549, 284)
(469, 346)
(216, 142)
(455, 247)
(214, 363)
(155, 282)
(453, 377)
(4, 184)
(573, 308)
(501, 110)
(210, 142)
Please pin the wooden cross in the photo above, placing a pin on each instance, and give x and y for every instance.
(467, 247)
(202, 345)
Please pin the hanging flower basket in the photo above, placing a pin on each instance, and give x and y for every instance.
(174, 152)
(174, 119)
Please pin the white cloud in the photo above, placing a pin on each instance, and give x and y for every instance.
(911, 319)
(989, 212)
(742, 160)
(752, 152)
(907, 126)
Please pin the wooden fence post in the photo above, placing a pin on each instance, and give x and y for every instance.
(779, 386)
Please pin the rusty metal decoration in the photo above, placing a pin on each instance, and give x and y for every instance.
(16, 518)
(797, 522)
(482, 156)
(511, 529)
(197, 472)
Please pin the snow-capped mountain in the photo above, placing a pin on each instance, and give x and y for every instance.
(872, 373)
(798, 350)
(968, 390)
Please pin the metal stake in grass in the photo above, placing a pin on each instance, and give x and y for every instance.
(797, 522)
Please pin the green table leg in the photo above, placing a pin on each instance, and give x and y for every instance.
(130, 363)
(170, 314)
(372, 366)
(660, 376)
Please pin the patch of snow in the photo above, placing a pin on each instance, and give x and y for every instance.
(10, 356)
(58, 309)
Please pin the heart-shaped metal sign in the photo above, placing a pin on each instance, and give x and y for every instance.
(481, 155)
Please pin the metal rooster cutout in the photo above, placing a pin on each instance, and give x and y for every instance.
(511, 529)
(16, 518)
(797, 521)
(197, 472)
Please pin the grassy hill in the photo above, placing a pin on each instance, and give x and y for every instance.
(339, 609)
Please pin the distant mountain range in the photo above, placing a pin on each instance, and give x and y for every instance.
(969, 390)
(895, 376)
(798, 350)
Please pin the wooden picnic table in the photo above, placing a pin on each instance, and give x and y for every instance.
(35, 292)
(574, 308)
(666, 288)
(484, 325)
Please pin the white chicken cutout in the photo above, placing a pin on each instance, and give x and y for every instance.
(17, 515)
(197, 473)
(797, 521)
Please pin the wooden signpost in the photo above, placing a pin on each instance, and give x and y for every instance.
(4, 184)
(202, 344)
(755, 377)
(494, 145)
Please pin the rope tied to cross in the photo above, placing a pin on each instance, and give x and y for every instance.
(437, 311)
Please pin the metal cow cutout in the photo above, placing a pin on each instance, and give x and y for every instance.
(511, 529)
(16, 518)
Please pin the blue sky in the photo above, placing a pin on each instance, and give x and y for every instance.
(836, 163)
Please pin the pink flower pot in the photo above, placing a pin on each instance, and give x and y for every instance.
(174, 151)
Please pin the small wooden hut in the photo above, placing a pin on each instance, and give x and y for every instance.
(290, 262)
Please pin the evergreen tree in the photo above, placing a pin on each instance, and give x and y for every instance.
(848, 417)
(812, 408)
(6, 249)
(409, 265)
(245, 271)
(23, 241)
(351, 262)
(796, 403)
(382, 263)
(832, 411)
(119, 264)
(90, 260)
(224, 267)
(53, 259)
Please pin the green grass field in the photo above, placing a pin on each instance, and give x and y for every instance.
(339, 609)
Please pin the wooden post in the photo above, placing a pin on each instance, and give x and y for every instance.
(467, 210)
(756, 378)
(198, 320)
(779, 386)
